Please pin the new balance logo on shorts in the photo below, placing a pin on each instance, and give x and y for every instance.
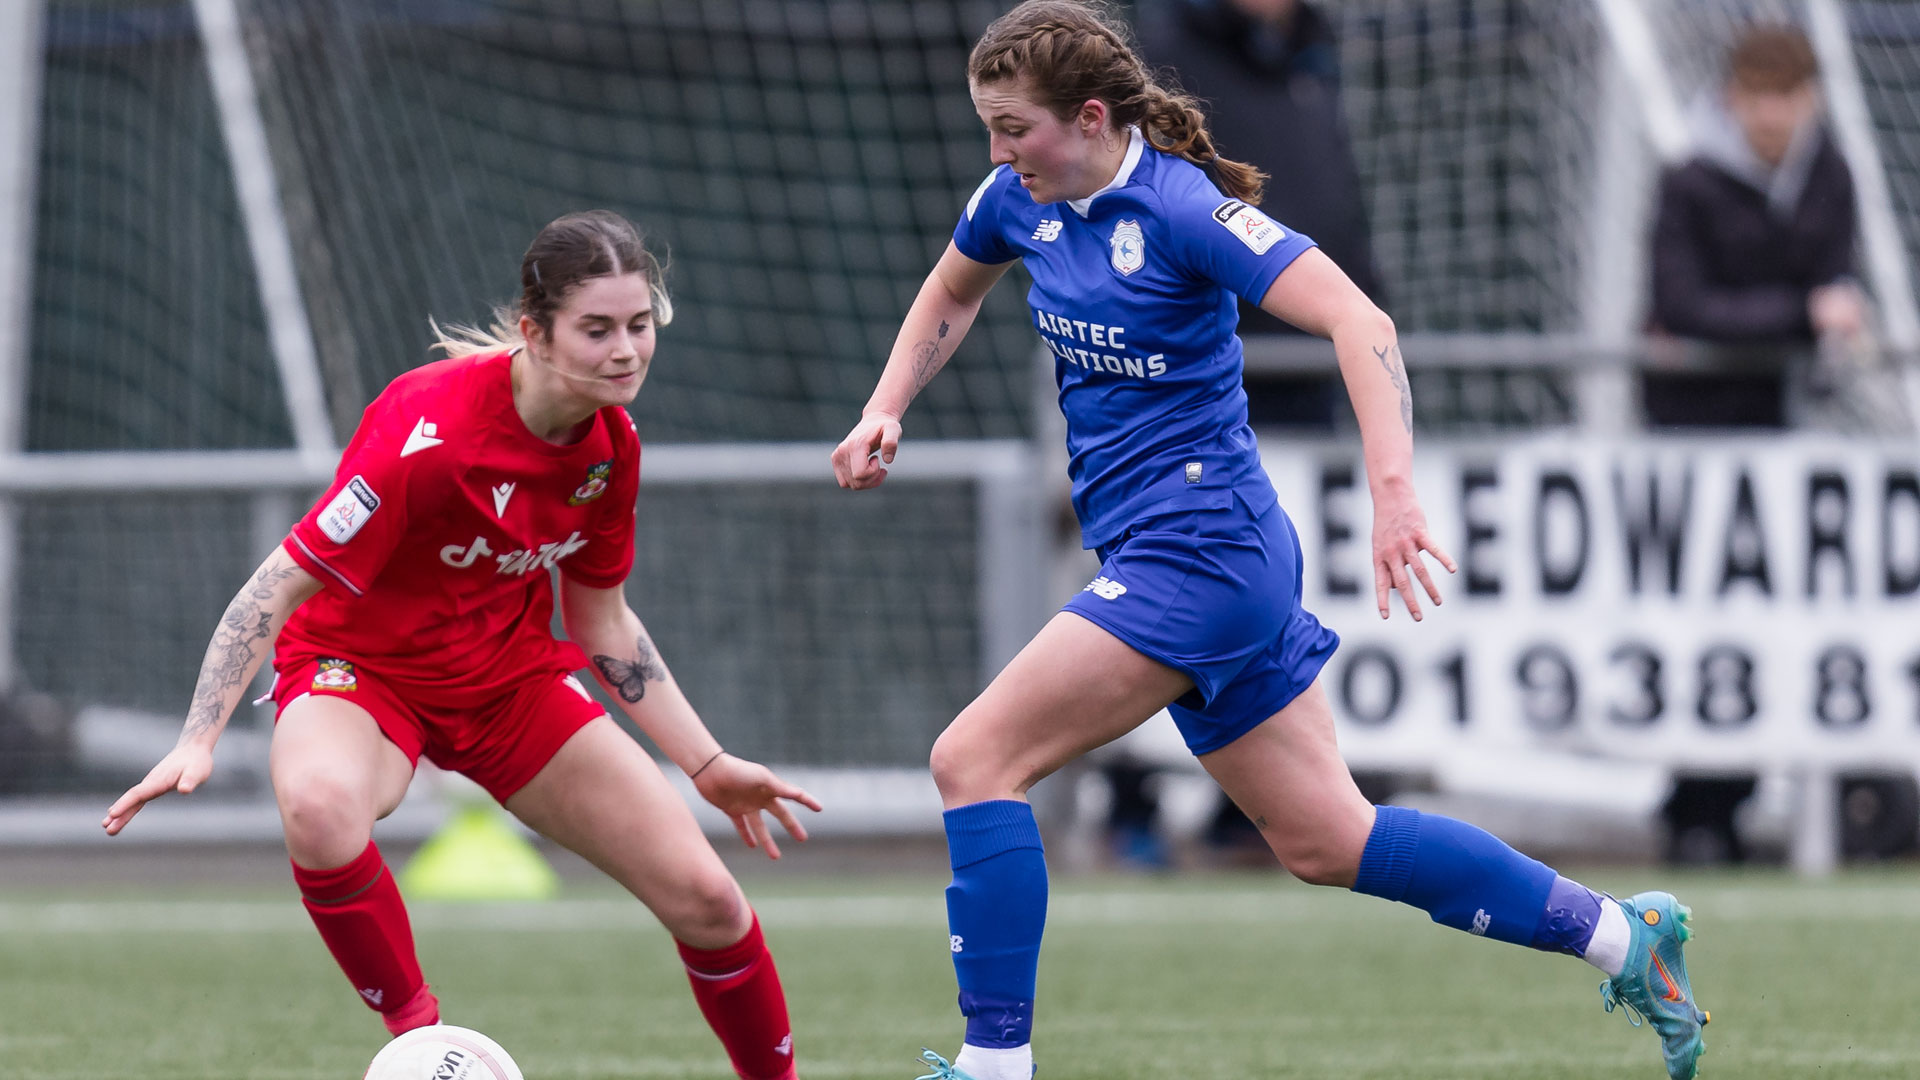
(1105, 588)
(1048, 232)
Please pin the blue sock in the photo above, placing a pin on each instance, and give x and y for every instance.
(996, 912)
(1573, 910)
(1463, 876)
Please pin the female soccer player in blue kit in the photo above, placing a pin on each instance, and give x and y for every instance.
(1108, 188)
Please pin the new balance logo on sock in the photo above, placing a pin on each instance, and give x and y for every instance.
(1481, 920)
(374, 997)
(956, 941)
(785, 1049)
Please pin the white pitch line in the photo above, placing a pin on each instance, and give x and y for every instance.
(1241, 908)
(821, 912)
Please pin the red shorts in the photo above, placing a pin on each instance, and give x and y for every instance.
(499, 745)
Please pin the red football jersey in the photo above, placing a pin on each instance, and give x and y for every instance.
(435, 539)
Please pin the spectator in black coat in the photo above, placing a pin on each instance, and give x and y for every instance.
(1268, 73)
(1753, 241)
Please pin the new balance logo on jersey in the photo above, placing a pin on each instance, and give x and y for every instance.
(1106, 588)
(421, 438)
(1481, 921)
(501, 494)
(526, 561)
(1048, 232)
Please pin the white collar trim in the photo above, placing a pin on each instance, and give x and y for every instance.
(1136, 145)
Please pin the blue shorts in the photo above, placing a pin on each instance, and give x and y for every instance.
(1214, 594)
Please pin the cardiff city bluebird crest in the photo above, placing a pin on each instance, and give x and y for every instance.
(1129, 247)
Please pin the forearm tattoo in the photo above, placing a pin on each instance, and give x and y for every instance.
(629, 678)
(1397, 371)
(926, 359)
(247, 621)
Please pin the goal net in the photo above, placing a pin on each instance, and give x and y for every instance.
(801, 163)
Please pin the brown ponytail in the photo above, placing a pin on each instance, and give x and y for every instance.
(1068, 52)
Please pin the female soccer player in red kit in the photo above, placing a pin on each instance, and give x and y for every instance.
(412, 611)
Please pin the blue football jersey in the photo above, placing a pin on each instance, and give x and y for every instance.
(1133, 291)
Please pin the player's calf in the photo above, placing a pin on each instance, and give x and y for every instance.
(738, 991)
(359, 913)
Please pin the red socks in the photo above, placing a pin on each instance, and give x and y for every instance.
(358, 911)
(739, 994)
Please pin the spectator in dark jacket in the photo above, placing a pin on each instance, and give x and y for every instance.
(1753, 241)
(1268, 72)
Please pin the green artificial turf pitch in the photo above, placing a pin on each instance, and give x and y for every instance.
(1197, 978)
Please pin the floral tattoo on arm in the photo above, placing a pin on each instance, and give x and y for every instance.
(246, 622)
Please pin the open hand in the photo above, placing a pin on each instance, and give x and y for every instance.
(183, 769)
(742, 789)
(1399, 537)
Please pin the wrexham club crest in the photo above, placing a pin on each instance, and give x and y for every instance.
(1129, 247)
(595, 486)
(335, 675)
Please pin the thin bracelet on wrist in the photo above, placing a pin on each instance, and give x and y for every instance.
(695, 774)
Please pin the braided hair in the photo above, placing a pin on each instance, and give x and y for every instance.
(1068, 52)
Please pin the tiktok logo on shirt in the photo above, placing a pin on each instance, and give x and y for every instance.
(544, 557)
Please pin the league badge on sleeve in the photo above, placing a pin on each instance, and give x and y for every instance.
(348, 511)
(1255, 229)
(335, 675)
(1129, 247)
(595, 486)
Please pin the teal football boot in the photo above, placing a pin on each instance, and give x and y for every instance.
(1653, 986)
(942, 1068)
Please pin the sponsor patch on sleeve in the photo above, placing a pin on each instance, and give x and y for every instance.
(348, 511)
(1255, 229)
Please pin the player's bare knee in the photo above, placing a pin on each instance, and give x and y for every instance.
(963, 772)
(1316, 863)
(324, 819)
(707, 911)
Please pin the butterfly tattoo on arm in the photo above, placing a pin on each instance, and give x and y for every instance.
(629, 678)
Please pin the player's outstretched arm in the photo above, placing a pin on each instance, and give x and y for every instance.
(240, 643)
(939, 318)
(1313, 294)
(629, 666)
